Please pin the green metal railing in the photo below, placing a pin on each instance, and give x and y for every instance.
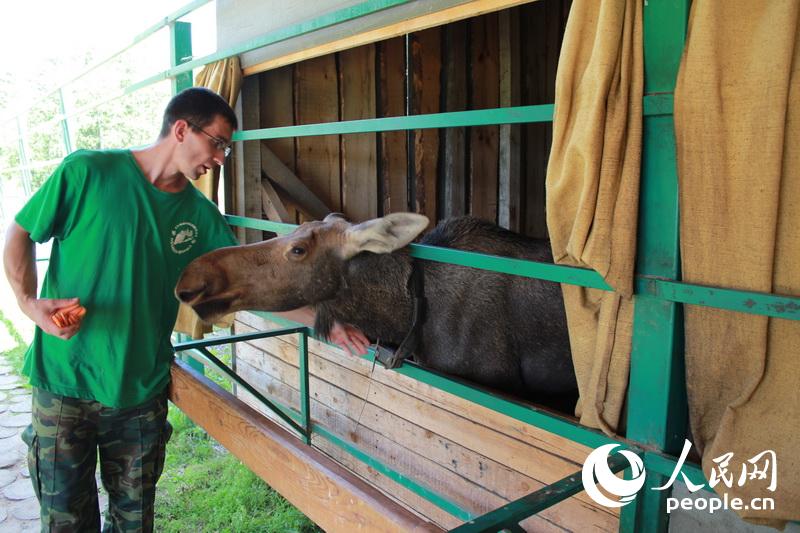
(657, 398)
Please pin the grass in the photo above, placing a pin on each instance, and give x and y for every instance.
(16, 355)
(204, 488)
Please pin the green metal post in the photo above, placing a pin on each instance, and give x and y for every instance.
(27, 187)
(181, 52)
(657, 409)
(68, 144)
(305, 402)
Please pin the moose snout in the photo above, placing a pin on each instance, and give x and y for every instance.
(188, 295)
(191, 286)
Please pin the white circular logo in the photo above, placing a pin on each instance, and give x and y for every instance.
(184, 235)
(596, 467)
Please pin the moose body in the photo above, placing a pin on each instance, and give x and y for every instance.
(506, 332)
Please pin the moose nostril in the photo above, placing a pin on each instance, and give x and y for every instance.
(187, 295)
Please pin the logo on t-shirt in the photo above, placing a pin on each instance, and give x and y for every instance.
(184, 235)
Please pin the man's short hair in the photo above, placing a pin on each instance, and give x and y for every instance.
(197, 105)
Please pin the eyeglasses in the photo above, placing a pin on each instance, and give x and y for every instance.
(219, 144)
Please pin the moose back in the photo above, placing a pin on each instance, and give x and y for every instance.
(506, 332)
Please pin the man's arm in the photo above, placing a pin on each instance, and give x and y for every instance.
(348, 337)
(19, 260)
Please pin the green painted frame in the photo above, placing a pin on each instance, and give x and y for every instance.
(657, 417)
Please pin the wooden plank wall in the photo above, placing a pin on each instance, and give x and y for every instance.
(458, 66)
(543, 25)
(473, 456)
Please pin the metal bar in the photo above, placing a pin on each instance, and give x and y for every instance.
(755, 303)
(508, 265)
(242, 337)
(65, 124)
(453, 119)
(655, 105)
(295, 419)
(282, 34)
(305, 402)
(509, 515)
(657, 405)
(524, 413)
(774, 305)
(27, 187)
(433, 497)
(181, 52)
(252, 390)
(166, 21)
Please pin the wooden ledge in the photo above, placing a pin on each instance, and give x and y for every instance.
(332, 496)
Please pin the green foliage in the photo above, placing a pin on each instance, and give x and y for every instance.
(16, 355)
(203, 488)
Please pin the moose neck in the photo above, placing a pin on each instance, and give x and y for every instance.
(373, 297)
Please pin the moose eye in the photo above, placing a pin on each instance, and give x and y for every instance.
(297, 250)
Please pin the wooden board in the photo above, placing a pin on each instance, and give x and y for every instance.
(540, 48)
(454, 64)
(509, 202)
(249, 189)
(317, 100)
(393, 146)
(484, 140)
(358, 155)
(476, 457)
(331, 496)
(277, 87)
(426, 99)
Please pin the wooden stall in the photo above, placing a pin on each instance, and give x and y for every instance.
(471, 455)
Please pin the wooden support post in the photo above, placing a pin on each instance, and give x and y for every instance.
(393, 167)
(277, 95)
(317, 100)
(426, 60)
(485, 94)
(272, 204)
(455, 99)
(282, 176)
(509, 208)
(323, 490)
(358, 151)
(249, 178)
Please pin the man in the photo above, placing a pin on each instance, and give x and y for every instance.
(124, 224)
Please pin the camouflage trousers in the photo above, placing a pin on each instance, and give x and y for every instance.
(63, 443)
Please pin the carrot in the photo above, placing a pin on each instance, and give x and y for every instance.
(69, 315)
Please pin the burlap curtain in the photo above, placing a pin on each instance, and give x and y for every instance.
(737, 122)
(593, 193)
(225, 78)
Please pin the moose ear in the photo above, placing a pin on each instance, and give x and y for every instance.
(383, 235)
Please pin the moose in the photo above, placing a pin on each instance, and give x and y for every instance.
(502, 331)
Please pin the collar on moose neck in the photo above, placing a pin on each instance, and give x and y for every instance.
(416, 289)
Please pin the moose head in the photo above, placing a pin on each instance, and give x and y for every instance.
(291, 271)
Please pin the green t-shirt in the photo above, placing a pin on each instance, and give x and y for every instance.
(119, 244)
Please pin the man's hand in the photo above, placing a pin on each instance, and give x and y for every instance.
(349, 338)
(41, 311)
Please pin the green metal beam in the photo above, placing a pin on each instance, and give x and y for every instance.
(509, 515)
(754, 303)
(655, 105)
(282, 34)
(180, 53)
(778, 306)
(657, 410)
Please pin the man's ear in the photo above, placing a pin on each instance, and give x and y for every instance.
(179, 129)
(383, 235)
